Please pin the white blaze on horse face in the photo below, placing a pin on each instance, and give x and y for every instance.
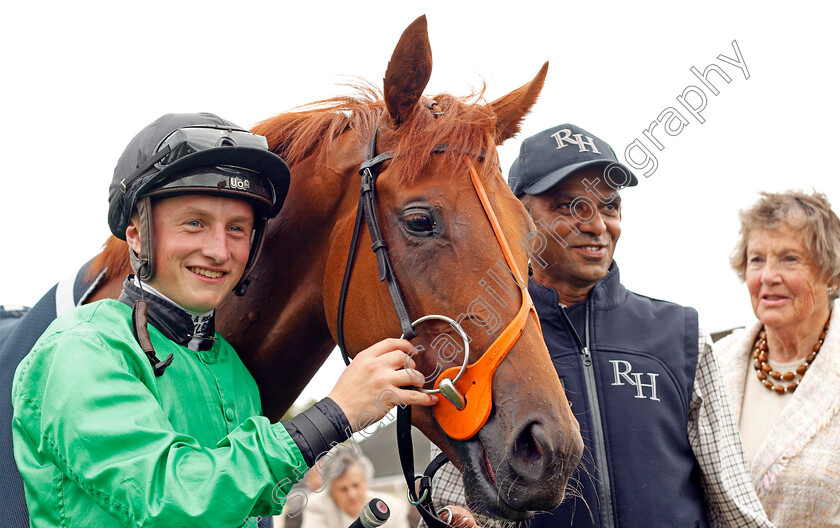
(201, 248)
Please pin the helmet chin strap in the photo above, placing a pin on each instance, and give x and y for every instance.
(143, 264)
(139, 327)
(253, 255)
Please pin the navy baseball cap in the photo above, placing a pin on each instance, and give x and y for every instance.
(548, 157)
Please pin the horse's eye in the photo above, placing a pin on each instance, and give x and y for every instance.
(419, 223)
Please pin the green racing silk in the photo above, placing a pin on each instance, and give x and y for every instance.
(100, 441)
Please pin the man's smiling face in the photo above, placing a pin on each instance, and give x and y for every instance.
(201, 247)
(589, 227)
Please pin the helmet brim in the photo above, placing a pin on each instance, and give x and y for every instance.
(265, 163)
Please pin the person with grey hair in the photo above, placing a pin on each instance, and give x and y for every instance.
(783, 372)
(347, 475)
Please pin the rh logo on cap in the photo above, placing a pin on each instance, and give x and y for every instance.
(565, 135)
(235, 182)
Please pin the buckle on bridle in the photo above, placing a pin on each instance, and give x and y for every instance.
(425, 486)
(430, 104)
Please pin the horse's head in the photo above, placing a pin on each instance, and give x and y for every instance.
(448, 260)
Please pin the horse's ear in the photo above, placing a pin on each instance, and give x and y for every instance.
(513, 107)
(408, 71)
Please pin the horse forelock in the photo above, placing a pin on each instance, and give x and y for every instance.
(464, 123)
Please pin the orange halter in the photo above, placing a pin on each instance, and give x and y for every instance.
(475, 383)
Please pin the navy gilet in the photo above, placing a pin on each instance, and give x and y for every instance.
(642, 360)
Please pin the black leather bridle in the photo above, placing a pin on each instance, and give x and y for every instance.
(369, 170)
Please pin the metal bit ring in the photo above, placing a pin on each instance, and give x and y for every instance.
(463, 335)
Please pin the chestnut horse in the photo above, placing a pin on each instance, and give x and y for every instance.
(443, 251)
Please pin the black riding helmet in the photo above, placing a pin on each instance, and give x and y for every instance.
(194, 154)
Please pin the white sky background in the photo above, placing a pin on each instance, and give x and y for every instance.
(81, 78)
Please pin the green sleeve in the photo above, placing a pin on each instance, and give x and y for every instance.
(85, 408)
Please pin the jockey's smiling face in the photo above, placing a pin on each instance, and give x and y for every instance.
(201, 247)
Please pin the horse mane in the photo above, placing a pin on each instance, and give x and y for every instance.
(113, 259)
(462, 122)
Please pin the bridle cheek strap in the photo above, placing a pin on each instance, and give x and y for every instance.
(476, 382)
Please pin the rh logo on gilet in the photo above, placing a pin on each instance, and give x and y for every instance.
(623, 372)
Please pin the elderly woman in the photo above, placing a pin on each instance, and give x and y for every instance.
(347, 476)
(783, 373)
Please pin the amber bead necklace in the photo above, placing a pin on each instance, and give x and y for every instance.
(765, 372)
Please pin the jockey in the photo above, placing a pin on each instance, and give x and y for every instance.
(135, 411)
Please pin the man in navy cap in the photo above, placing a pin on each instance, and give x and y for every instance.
(661, 446)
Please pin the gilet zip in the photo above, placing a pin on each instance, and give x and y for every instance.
(605, 491)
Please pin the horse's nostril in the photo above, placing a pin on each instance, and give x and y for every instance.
(535, 466)
(531, 446)
(529, 449)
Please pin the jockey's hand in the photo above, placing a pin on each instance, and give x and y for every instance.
(370, 386)
(460, 518)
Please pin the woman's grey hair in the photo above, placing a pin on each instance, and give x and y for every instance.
(810, 214)
(342, 458)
